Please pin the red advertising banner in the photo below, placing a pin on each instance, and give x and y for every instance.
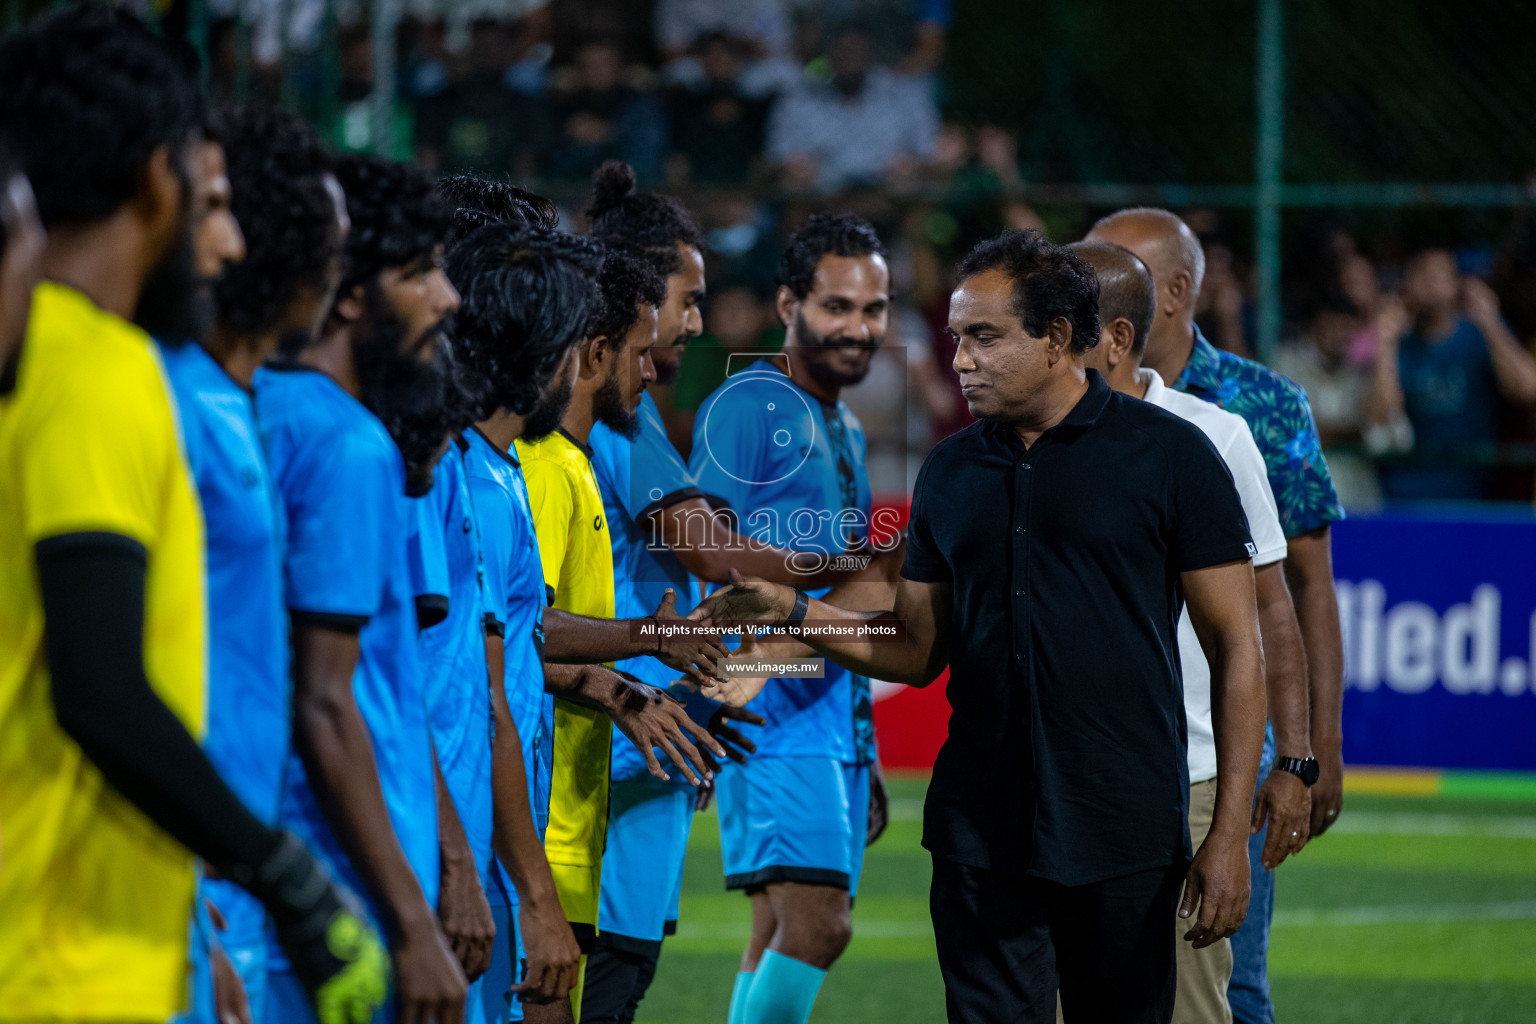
(911, 723)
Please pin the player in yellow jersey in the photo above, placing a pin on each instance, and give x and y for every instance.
(576, 552)
(103, 788)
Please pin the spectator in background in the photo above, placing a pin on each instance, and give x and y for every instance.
(764, 27)
(355, 129)
(738, 325)
(867, 125)
(1223, 307)
(908, 35)
(1336, 386)
(598, 117)
(475, 122)
(1443, 358)
(1357, 280)
(717, 129)
(743, 241)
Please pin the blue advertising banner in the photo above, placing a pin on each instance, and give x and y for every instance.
(1438, 610)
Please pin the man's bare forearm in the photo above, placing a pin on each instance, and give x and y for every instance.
(333, 742)
(910, 659)
(1317, 612)
(579, 684)
(865, 594)
(515, 838)
(452, 843)
(1285, 664)
(706, 542)
(1513, 369)
(1237, 713)
(584, 640)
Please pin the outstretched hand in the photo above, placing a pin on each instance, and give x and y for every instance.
(650, 718)
(737, 746)
(745, 599)
(740, 690)
(698, 657)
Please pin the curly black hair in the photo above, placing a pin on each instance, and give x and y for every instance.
(1049, 281)
(526, 295)
(649, 223)
(825, 234)
(86, 96)
(397, 217)
(477, 202)
(627, 283)
(277, 169)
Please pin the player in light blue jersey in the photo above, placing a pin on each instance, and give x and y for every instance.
(238, 529)
(775, 442)
(360, 787)
(529, 296)
(528, 301)
(648, 494)
(293, 220)
(450, 609)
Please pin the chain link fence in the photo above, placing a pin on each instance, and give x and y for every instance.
(1314, 146)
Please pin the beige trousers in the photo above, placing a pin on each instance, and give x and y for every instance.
(1203, 973)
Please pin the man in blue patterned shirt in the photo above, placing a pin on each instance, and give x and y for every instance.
(1280, 418)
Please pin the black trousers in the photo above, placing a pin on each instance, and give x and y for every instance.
(619, 970)
(1008, 942)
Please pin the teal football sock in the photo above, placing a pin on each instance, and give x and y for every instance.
(783, 991)
(739, 995)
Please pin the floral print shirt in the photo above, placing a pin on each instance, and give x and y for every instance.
(1280, 418)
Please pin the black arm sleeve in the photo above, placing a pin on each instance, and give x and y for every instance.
(93, 606)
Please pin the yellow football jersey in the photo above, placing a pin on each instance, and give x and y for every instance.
(577, 555)
(95, 901)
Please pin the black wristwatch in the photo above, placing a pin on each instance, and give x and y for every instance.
(1304, 768)
(797, 613)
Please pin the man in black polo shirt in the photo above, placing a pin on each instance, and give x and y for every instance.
(1050, 548)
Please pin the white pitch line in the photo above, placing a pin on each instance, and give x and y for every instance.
(1416, 913)
(1456, 825)
(1407, 913)
(1364, 823)
(861, 929)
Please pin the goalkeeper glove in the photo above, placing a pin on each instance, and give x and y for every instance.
(322, 928)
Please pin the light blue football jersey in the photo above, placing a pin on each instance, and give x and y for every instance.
(792, 469)
(342, 484)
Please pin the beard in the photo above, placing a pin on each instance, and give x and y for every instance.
(610, 408)
(176, 306)
(549, 413)
(823, 373)
(407, 395)
(668, 372)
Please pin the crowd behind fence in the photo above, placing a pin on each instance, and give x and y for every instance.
(1360, 174)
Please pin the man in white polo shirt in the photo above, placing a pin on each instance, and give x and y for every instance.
(1127, 303)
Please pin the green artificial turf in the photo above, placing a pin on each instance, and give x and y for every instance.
(1414, 910)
